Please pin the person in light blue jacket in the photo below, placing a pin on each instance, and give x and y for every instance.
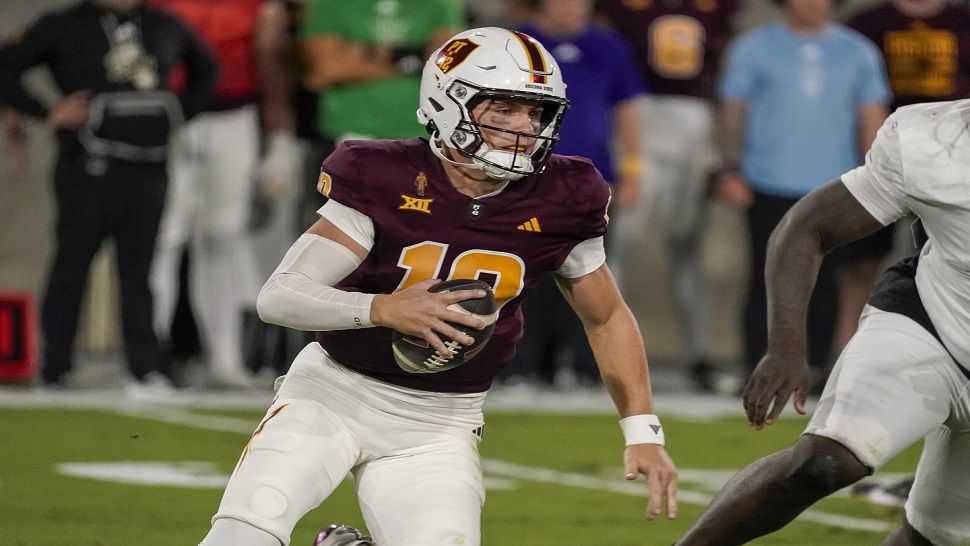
(801, 101)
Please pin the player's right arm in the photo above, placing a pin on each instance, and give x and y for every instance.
(857, 204)
(302, 293)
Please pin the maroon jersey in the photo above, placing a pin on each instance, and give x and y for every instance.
(424, 228)
(678, 43)
(927, 60)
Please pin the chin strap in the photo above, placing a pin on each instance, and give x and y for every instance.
(492, 171)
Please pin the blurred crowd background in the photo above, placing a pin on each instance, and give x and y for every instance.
(708, 117)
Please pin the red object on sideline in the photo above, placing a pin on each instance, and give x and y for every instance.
(18, 337)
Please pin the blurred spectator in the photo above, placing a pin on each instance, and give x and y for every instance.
(110, 59)
(678, 46)
(802, 101)
(926, 46)
(269, 347)
(603, 81)
(366, 58)
(214, 165)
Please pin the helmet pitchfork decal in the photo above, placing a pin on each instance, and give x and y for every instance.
(454, 53)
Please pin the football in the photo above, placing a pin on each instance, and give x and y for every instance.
(416, 355)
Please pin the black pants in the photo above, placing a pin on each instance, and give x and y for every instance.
(97, 200)
(823, 308)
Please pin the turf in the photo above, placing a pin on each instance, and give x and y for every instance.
(40, 506)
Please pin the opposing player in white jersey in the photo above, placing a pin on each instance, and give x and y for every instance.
(903, 376)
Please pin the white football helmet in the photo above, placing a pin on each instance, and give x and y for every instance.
(499, 64)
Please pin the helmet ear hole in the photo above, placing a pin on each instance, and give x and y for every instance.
(436, 105)
(431, 128)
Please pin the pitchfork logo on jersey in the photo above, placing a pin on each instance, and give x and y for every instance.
(454, 53)
(420, 183)
(415, 203)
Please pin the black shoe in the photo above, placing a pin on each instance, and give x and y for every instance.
(703, 376)
(342, 535)
(890, 495)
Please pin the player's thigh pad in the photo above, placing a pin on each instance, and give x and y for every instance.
(893, 384)
(298, 455)
(431, 496)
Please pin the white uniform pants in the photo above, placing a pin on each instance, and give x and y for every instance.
(679, 150)
(893, 385)
(208, 207)
(413, 455)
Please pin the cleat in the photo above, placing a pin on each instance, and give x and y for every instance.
(342, 535)
(892, 495)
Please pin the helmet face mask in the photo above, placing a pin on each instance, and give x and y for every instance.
(504, 152)
(484, 67)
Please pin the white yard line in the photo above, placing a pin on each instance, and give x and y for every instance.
(504, 469)
(547, 475)
(499, 400)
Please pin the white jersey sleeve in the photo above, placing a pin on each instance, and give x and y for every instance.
(585, 258)
(878, 185)
(355, 224)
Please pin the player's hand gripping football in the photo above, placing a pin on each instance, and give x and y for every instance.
(653, 462)
(416, 312)
(776, 378)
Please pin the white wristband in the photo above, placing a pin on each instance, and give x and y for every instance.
(642, 429)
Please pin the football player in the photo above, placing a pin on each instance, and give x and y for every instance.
(904, 375)
(481, 198)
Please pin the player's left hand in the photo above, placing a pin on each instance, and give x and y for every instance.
(775, 379)
(653, 462)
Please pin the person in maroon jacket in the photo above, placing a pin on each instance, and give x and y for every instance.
(926, 45)
(482, 199)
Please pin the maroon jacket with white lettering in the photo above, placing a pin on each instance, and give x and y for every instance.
(424, 228)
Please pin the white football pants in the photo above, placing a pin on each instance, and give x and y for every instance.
(413, 455)
(679, 152)
(893, 385)
(212, 171)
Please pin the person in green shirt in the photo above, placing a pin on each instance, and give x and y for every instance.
(365, 59)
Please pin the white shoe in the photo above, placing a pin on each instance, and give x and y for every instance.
(154, 387)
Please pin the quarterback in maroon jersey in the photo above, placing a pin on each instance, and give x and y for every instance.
(483, 198)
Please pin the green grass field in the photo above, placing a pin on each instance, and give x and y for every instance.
(553, 479)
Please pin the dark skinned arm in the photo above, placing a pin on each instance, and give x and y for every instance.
(822, 220)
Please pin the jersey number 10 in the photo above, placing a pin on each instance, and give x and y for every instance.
(425, 260)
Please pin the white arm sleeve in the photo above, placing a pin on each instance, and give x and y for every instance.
(357, 225)
(878, 185)
(300, 293)
(584, 258)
